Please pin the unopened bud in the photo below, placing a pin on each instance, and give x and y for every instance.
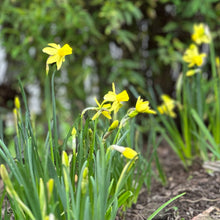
(17, 102)
(114, 125)
(50, 185)
(65, 159)
(73, 132)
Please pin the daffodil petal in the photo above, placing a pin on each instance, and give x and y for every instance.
(110, 96)
(59, 62)
(50, 50)
(150, 111)
(129, 153)
(123, 96)
(115, 106)
(106, 106)
(56, 46)
(106, 114)
(52, 59)
(65, 50)
(113, 87)
(97, 102)
(96, 115)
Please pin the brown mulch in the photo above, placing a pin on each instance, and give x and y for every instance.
(202, 198)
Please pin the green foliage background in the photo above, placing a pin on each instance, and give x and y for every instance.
(149, 37)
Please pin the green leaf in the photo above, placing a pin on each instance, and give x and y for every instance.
(123, 198)
(164, 205)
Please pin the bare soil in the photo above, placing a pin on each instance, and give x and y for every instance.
(202, 198)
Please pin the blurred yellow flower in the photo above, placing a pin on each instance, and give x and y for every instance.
(111, 96)
(17, 102)
(193, 57)
(167, 106)
(73, 132)
(50, 186)
(201, 34)
(217, 61)
(192, 72)
(102, 109)
(114, 125)
(143, 106)
(126, 151)
(65, 159)
(57, 54)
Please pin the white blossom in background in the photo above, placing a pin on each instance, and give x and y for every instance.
(34, 101)
(3, 64)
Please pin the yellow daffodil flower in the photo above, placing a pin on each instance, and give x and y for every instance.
(141, 107)
(167, 106)
(193, 57)
(126, 151)
(201, 34)
(102, 109)
(57, 54)
(111, 96)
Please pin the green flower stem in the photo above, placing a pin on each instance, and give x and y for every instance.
(50, 141)
(48, 113)
(199, 95)
(55, 132)
(199, 107)
(216, 128)
(122, 123)
(91, 150)
(117, 135)
(186, 132)
(80, 149)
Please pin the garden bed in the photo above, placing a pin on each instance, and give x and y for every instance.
(202, 199)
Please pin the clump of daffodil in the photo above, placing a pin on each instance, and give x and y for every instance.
(57, 54)
(116, 99)
(126, 151)
(167, 107)
(141, 107)
(193, 57)
(201, 34)
(12, 192)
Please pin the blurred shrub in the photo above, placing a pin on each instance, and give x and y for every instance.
(131, 42)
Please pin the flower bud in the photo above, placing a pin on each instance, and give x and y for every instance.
(65, 159)
(17, 102)
(126, 151)
(50, 185)
(114, 125)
